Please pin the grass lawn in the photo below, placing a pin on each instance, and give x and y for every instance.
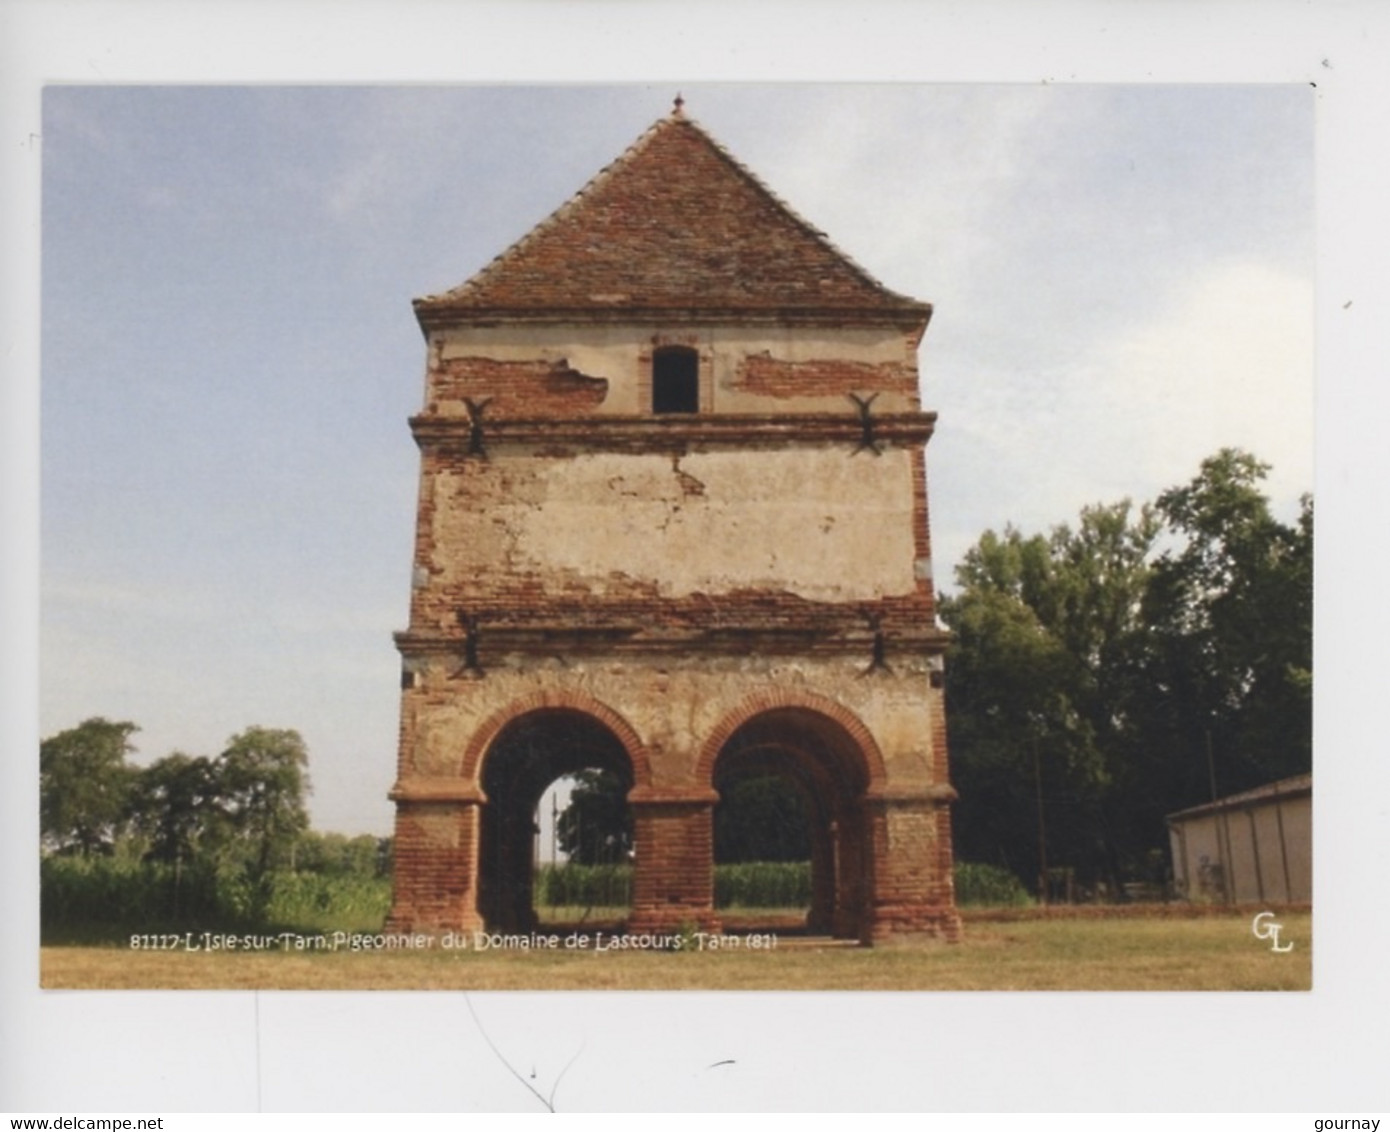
(1214, 952)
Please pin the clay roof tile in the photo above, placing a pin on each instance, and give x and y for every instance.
(676, 223)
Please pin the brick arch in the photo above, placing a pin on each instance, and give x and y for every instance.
(773, 699)
(557, 699)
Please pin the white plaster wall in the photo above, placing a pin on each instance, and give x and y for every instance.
(819, 523)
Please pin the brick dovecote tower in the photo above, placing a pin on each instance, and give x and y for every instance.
(673, 524)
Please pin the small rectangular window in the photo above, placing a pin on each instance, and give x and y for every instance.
(675, 380)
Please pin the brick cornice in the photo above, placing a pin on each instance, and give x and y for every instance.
(666, 433)
(642, 638)
(909, 317)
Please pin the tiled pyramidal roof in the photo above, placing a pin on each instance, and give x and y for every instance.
(675, 224)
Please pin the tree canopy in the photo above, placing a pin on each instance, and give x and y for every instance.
(263, 779)
(85, 786)
(1232, 613)
(1103, 675)
(191, 839)
(760, 817)
(595, 828)
(243, 810)
(177, 804)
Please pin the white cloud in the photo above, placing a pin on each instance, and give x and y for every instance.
(1228, 362)
(905, 179)
(1225, 361)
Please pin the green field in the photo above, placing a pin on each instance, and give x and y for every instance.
(1129, 952)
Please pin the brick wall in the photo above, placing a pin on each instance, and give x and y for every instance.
(673, 885)
(516, 388)
(767, 376)
(435, 851)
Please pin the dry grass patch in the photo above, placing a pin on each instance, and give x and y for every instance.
(1213, 953)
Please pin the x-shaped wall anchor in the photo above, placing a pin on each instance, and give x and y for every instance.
(866, 422)
(878, 661)
(473, 412)
(471, 668)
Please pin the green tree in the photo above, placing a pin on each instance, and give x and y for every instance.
(760, 818)
(263, 780)
(596, 828)
(177, 804)
(85, 786)
(336, 854)
(1041, 690)
(1232, 613)
(1112, 668)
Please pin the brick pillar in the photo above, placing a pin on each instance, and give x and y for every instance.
(822, 919)
(853, 856)
(912, 889)
(436, 865)
(506, 860)
(673, 864)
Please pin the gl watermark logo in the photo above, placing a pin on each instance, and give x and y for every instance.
(1265, 926)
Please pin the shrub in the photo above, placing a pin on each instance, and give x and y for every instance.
(103, 895)
(314, 901)
(142, 896)
(584, 886)
(763, 884)
(753, 884)
(988, 885)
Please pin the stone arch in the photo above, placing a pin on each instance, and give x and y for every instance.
(772, 699)
(515, 757)
(825, 754)
(562, 700)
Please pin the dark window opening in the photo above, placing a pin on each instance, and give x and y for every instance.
(675, 380)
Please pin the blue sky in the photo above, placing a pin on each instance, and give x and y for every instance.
(1122, 278)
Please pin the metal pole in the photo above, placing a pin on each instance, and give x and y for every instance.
(1283, 849)
(1223, 853)
(1042, 828)
(554, 835)
(1255, 848)
(1182, 852)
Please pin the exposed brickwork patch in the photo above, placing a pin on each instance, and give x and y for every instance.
(629, 605)
(517, 389)
(770, 377)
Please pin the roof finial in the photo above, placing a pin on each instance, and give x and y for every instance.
(677, 104)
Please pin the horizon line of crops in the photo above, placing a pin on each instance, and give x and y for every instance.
(81, 896)
(749, 884)
(78, 894)
(753, 884)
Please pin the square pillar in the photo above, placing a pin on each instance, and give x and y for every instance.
(673, 866)
(912, 886)
(436, 867)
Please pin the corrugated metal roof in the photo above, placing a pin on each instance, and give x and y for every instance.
(1285, 787)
